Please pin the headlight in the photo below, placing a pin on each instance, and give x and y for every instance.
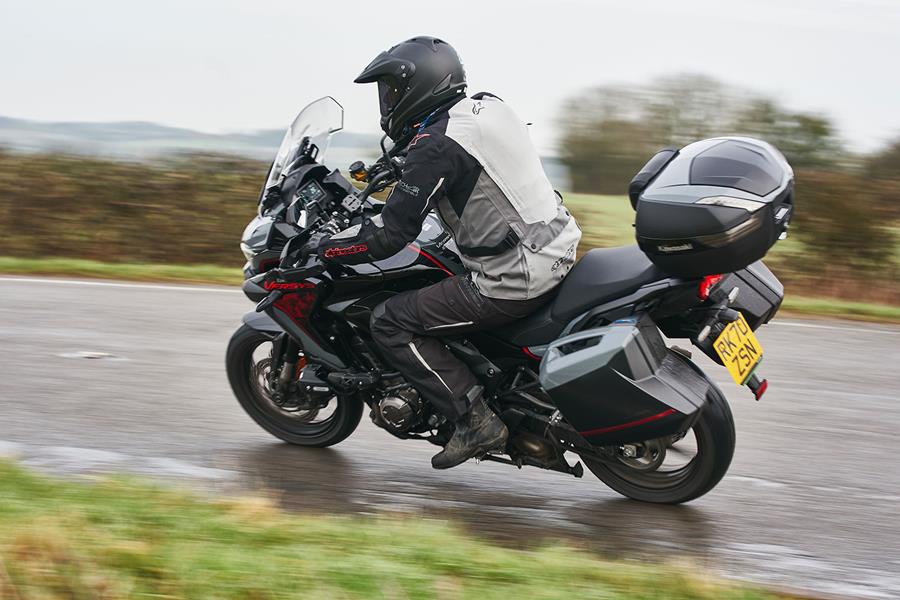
(249, 252)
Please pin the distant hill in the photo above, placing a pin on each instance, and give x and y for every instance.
(140, 140)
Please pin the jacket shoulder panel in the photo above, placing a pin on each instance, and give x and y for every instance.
(497, 138)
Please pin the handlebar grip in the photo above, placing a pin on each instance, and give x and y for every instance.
(358, 171)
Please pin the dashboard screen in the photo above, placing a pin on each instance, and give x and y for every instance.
(311, 192)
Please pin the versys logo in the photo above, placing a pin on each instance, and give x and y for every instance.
(476, 108)
(412, 190)
(567, 257)
(278, 285)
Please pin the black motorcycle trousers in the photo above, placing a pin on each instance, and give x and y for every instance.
(408, 329)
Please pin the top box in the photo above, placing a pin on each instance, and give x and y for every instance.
(715, 206)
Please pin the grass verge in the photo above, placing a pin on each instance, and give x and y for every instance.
(75, 267)
(122, 538)
(827, 307)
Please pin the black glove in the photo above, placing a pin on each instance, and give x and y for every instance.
(331, 227)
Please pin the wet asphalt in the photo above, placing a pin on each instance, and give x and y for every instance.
(812, 500)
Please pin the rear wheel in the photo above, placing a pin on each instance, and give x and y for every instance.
(248, 360)
(679, 468)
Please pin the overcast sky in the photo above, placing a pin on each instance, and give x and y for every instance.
(223, 65)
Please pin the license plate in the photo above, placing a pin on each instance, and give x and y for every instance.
(739, 350)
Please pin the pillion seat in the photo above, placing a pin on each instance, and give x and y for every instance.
(602, 275)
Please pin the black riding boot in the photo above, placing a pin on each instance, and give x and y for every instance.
(476, 433)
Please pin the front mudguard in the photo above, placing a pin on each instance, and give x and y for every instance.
(261, 322)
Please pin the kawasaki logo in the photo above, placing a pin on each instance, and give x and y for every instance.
(675, 248)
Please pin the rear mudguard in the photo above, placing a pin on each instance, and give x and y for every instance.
(261, 322)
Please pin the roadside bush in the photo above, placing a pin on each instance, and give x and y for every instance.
(843, 239)
(190, 209)
(841, 222)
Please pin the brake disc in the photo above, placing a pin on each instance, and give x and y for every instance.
(293, 405)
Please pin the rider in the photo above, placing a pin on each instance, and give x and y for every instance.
(471, 159)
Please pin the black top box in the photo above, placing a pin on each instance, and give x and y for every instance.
(715, 206)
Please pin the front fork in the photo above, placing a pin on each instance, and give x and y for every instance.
(285, 359)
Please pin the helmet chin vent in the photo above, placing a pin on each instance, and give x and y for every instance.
(443, 86)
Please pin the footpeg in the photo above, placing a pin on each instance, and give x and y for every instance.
(577, 470)
(349, 383)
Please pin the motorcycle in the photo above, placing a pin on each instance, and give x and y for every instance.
(589, 377)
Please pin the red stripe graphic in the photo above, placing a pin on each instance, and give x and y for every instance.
(612, 428)
(530, 354)
(431, 259)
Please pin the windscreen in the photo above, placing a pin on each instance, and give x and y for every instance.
(318, 121)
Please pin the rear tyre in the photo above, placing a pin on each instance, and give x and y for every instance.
(245, 360)
(714, 436)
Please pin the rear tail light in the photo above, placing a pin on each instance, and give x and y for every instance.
(707, 284)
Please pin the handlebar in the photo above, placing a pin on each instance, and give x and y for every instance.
(293, 275)
(377, 183)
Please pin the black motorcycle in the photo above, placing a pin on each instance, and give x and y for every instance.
(589, 377)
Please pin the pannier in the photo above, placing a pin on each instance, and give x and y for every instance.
(620, 383)
(715, 206)
(760, 293)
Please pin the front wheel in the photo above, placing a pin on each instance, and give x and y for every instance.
(248, 361)
(680, 468)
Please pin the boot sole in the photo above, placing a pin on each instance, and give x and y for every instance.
(498, 443)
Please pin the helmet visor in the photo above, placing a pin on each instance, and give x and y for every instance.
(389, 94)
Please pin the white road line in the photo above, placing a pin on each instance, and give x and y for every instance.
(235, 290)
(835, 327)
(150, 286)
(788, 389)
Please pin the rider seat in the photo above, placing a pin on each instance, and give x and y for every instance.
(602, 275)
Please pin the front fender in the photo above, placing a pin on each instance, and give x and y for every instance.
(261, 322)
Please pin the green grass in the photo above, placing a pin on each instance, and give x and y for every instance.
(76, 267)
(121, 538)
(861, 311)
(604, 220)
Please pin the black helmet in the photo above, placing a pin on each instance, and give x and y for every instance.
(414, 78)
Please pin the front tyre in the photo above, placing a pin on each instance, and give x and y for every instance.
(706, 451)
(247, 358)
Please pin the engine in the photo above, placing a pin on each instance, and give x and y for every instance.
(399, 410)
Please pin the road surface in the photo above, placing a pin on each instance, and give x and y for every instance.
(812, 500)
